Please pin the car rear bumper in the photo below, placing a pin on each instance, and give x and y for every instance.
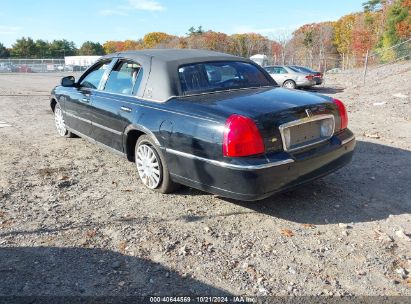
(250, 179)
(305, 83)
(318, 80)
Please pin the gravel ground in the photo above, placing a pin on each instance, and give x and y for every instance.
(75, 220)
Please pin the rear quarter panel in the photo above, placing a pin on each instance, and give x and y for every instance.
(177, 127)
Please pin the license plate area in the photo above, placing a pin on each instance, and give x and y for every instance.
(306, 132)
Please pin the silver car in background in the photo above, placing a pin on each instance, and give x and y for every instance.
(290, 78)
(317, 76)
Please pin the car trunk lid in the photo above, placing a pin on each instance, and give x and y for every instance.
(268, 107)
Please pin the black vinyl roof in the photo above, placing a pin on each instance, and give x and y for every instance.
(173, 55)
(160, 68)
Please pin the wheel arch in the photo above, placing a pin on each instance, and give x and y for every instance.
(131, 135)
(290, 79)
(53, 102)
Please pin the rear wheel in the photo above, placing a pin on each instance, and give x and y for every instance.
(59, 122)
(289, 84)
(151, 166)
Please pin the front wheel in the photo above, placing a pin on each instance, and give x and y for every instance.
(289, 84)
(59, 122)
(151, 166)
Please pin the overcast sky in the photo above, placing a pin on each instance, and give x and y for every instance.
(102, 20)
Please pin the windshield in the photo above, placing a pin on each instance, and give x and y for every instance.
(220, 76)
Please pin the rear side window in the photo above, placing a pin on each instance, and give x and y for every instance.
(124, 78)
(220, 76)
(282, 70)
(279, 70)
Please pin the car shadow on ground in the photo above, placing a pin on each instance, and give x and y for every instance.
(375, 185)
(44, 271)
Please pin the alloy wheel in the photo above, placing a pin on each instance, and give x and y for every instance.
(59, 121)
(148, 166)
(289, 85)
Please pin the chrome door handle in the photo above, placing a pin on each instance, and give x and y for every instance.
(125, 109)
(85, 100)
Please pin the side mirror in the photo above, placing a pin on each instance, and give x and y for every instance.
(68, 81)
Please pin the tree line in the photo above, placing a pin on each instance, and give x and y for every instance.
(381, 24)
(28, 48)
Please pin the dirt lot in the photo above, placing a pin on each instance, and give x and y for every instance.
(75, 220)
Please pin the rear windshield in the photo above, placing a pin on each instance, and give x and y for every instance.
(220, 76)
(301, 69)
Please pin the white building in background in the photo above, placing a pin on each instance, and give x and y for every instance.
(260, 59)
(80, 60)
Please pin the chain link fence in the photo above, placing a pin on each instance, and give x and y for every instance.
(12, 65)
(361, 66)
(374, 62)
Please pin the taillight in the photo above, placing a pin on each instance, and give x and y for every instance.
(241, 137)
(309, 77)
(343, 113)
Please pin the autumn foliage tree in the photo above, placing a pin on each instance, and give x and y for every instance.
(156, 39)
(113, 46)
(380, 26)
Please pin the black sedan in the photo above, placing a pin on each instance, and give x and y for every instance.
(207, 120)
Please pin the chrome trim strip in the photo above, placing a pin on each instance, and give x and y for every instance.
(231, 166)
(347, 140)
(302, 121)
(106, 128)
(138, 97)
(94, 123)
(77, 117)
(125, 109)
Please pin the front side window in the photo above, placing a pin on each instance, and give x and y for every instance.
(124, 78)
(93, 78)
(220, 76)
(269, 69)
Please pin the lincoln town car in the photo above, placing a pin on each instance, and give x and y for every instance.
(207, 120)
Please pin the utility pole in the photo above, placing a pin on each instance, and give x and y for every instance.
(365, 68)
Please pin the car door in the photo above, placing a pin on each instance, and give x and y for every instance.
(277, 76)
(77, 105)
(283, 74)
(114, 104)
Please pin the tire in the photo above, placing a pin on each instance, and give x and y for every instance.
(151, 166)
(289, 84)
(59, 122)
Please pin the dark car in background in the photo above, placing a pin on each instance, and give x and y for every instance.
(208, 120)
(21, 68)
(317, 76)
